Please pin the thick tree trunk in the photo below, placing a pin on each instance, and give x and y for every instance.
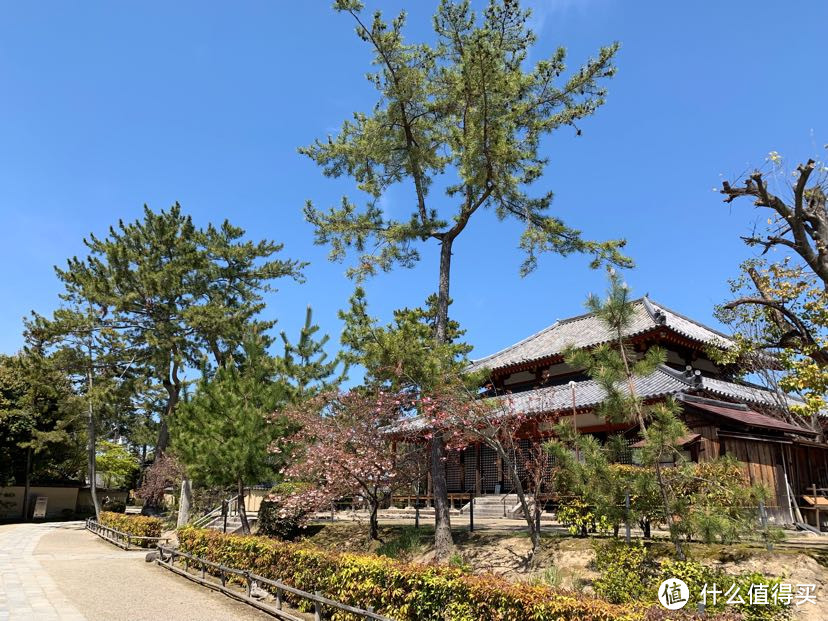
(184, 503)
(443, 542)
(173, 392)
(90, 449)
(242, 511)
(163, 439)
(172, 384)
(27, 484)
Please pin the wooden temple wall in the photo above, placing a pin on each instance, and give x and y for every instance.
(762, 465)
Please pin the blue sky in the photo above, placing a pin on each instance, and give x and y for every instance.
(107, 106)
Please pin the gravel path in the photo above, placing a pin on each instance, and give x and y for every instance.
(61, 572)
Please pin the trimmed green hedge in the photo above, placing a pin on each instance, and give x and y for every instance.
(138, 525)
(403, 591)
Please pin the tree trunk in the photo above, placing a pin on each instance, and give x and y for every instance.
(242, 511)
(173, 392)
(443, 542)
(163, 439)
(528, 514)
(28, 484)
(172, 384)
(374, 522)
(669, 515)
(90, 448)
(184, 503)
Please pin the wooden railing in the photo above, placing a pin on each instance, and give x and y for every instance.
(428, 499)
(167, 556)
(119, 537)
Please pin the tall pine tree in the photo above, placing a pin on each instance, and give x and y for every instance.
(468, 114)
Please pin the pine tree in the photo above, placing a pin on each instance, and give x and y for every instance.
(615, 367)
(172, 293)
(465, 108)
(223, 432)
(86, 345)
(305, 365)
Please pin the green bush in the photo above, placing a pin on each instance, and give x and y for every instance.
(138, 525)
(697, 576)
(581, 518)
(281, 519)
(114, 506)
(626, 572)
(403, 591)
(630, 574)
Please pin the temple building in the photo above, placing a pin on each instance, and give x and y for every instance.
(724, 415)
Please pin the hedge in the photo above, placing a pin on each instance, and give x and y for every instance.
(403, 591)
(138, 525)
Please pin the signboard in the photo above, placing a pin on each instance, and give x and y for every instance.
(40, 507)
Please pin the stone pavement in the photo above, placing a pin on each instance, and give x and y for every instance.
(26, 591)
(61, 572)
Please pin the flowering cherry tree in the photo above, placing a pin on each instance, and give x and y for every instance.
(343, 448)
(463, 418)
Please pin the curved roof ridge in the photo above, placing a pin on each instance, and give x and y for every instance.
(690, 319)
(514, 345)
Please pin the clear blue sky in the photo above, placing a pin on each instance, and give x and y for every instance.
(106, 106)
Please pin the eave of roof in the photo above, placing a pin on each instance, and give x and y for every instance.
(747, 417)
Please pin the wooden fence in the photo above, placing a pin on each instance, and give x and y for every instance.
(166, 558)
(119, 537)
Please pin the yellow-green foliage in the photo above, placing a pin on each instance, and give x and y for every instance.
(630, 573)
(138, 525)
(402, 591)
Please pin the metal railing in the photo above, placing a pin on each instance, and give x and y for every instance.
(166, 558)
(119, 537)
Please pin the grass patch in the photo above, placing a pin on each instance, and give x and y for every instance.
(408, 542)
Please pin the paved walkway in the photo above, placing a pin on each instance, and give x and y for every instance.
(61, 572)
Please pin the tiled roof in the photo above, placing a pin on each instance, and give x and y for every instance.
(588, 331)
(663, 382)
(747, 416)
(589, 394)
(749, 393)
(684, 440)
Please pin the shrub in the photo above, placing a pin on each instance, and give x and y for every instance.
(581, 518)
(279, 516)
(138, 525)
(114, 506)
(403, 591)
(630, 574)
(625, 572)
(697, 576)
